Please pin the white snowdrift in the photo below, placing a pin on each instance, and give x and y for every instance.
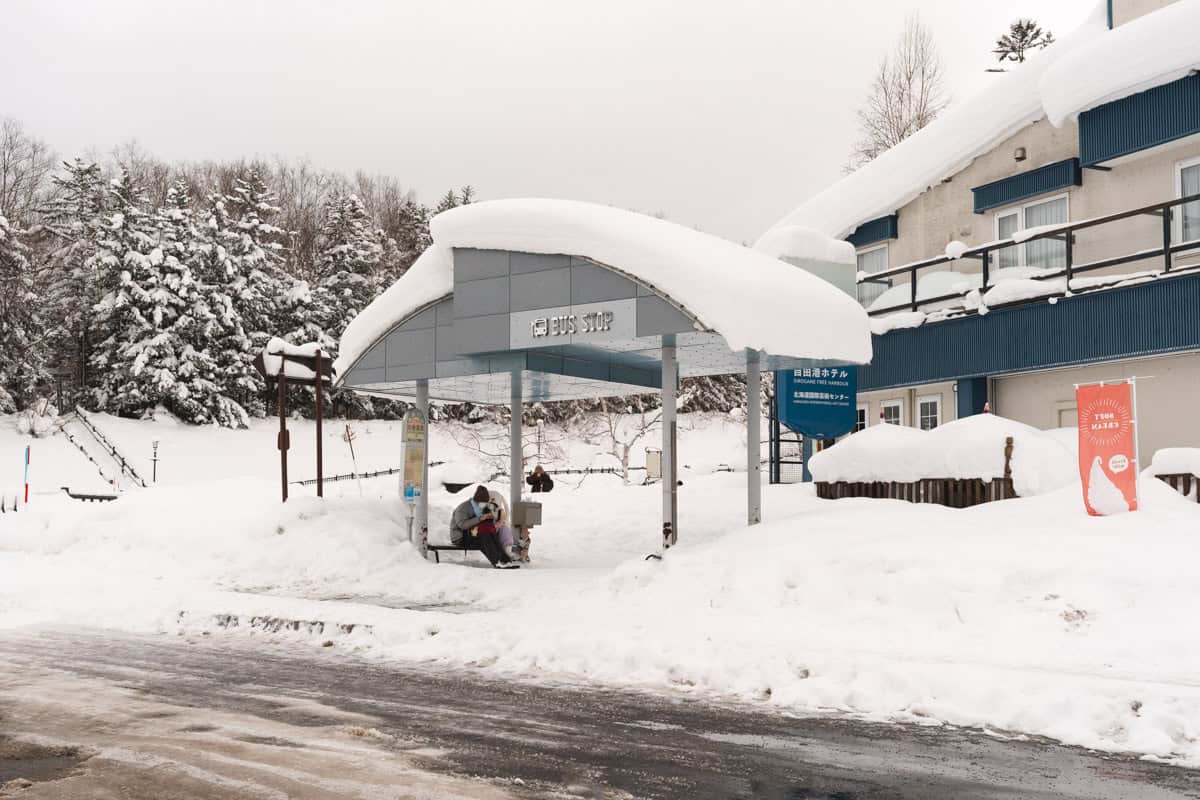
(1146, 52)
(971, 447)
(1013, 615)
(1176, 461)
(751, 299)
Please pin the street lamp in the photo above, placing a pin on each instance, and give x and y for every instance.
(154, 460)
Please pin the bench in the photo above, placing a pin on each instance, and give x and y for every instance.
(91, 498)
(462, 547)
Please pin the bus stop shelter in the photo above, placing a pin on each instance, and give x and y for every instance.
(522, 301)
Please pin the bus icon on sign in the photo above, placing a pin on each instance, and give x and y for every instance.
(541, 327)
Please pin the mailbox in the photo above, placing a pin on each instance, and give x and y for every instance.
(526, 514)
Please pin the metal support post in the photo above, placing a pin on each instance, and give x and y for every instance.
(806, 451)
(670, 480)
(753, 438)
(422, 509)
(320, 458)
(516, 466)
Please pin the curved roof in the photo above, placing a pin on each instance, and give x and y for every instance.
(752, 300)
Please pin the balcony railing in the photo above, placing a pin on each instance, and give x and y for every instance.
(986, 254)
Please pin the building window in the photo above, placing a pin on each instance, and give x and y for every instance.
(891, 412)
(860, 419)
(929, 411)
(1045, 253)
(1187, 183)
(871, 260)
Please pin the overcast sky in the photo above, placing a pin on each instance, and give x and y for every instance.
(721, 115)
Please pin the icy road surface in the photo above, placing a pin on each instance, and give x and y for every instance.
(87, 714)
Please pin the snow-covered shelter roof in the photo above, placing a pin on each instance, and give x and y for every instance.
(732, 298)
(1091, 66)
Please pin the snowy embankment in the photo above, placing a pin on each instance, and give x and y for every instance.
(1025, 615)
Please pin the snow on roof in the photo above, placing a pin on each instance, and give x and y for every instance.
(798, 241)
(1149, 51)
(429, 279)
(751, 299)
(969, 128)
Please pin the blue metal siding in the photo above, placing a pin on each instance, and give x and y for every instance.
(1140, 121)
(877, 230)
(1009, 190)
(1148, 319)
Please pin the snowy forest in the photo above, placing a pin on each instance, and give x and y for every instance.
(128, 284)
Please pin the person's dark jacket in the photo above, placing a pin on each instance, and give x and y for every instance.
(540, 483)
(461, 522)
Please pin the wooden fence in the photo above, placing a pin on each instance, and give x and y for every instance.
(1183, 483)
(952, 492)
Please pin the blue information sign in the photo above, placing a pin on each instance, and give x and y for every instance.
(818, 402)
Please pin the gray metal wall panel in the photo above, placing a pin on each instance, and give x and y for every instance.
(445, 311)
(481, 298)
(480, 334)
(410, 347)
(446, 348)
(656, 316)
(642, 291)
(408, 372)
(426, 319)
(536, 262)
(544, 289)
(362, 377)
(636, 377)
(506, 362)
(592, 284)
(475, 265)
(459, 367)
(373, 358)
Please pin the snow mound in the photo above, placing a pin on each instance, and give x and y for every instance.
(971, 447)
(1176, 461)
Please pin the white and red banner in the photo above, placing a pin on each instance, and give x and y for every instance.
(1107, 447)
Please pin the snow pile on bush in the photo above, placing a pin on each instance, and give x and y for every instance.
(971, 447)
(1176, 461)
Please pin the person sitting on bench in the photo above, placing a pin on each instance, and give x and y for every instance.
(473, 526)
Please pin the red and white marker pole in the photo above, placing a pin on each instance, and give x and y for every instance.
(26, 474)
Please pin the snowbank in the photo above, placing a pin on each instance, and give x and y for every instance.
(1013, 616)
(1146, 52)
(971, 447)
(751, 299)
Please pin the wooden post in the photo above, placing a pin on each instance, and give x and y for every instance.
(281, 382)
(1008, 451)
(320, 460)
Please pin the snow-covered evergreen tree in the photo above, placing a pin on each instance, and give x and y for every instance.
(23, 344)
(1023, 35)
(229, 345)
(73, 218)
(255, 247)
(130, 357)
(347, 261)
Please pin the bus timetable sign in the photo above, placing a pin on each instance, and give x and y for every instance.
(414, 456)
(818, 401)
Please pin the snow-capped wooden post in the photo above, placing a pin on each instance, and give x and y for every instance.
(283, 441)
(753, 438)
(305, 365)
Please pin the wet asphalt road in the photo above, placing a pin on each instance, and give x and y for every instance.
(508, 740)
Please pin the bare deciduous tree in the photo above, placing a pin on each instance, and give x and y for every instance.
(25, 167)
(907, 93)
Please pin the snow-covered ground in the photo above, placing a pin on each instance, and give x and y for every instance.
(1026, 615)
